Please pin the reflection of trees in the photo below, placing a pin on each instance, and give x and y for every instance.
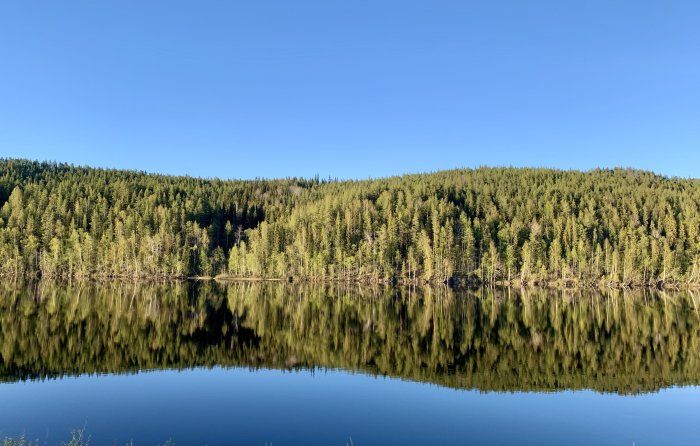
(491, 339)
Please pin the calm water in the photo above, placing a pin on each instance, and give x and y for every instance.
(282, 364)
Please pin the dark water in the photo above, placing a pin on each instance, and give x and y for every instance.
(284, 364)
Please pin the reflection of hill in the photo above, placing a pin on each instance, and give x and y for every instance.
(490, 340)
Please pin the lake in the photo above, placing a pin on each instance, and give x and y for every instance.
(275, 363)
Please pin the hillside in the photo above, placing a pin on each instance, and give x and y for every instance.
(614, 227)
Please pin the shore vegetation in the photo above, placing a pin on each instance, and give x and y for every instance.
(617, 228)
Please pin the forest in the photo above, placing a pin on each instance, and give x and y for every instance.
(530, 226)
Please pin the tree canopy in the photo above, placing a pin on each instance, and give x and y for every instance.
(615, 227)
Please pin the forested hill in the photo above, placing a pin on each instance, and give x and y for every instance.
(616, 227)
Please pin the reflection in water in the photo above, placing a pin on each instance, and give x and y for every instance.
(625, 342)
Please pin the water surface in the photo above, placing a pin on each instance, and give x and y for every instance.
(203, 363)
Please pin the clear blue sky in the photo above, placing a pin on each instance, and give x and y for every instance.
(351, 88)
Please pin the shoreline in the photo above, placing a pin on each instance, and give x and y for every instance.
(456, 284)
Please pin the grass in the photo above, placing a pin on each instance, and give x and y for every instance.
(77, 438)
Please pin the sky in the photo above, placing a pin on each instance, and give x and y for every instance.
(352, 88)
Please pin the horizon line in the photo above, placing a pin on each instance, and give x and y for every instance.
(336, 179)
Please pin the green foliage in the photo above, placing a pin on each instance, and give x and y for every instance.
(616, 227)
(77, 438)
(19, 441)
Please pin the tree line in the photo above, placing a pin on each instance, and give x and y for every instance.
(618, 227)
